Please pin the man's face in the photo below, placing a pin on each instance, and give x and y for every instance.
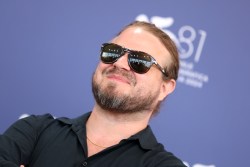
(117, 88)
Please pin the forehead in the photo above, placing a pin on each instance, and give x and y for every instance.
(136, 38)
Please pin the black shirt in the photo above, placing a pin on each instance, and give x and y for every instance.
(42, 141)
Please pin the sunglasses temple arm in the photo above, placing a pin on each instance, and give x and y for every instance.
(161, 69)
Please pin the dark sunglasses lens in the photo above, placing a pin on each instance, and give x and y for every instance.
(140, 62)
(110, 53)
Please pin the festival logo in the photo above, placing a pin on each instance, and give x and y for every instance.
(199, 165)
(189, 42)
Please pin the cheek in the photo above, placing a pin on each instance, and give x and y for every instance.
(98, 71)
(149, 82)
(101, 67)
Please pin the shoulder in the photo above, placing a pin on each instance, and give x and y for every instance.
(159, 157)
(155, 154)
(46, 120)
(38, 119)
(32, 122)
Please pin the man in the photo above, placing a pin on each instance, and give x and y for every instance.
(128, 85)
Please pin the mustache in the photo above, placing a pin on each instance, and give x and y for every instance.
(126, 74)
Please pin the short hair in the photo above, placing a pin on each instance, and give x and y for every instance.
(173, 68)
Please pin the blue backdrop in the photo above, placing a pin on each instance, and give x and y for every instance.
(49, 50)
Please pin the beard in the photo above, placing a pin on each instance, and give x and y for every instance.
(109, 99)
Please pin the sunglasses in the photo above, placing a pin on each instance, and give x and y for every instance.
(139, 62)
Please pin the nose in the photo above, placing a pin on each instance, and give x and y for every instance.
(122, 62)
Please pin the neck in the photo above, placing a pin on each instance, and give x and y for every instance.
(107, 128)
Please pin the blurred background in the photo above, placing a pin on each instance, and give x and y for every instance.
(49, 50)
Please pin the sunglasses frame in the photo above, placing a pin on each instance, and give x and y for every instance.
(130, 51)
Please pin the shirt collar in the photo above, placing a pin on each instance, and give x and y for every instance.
(145, 137)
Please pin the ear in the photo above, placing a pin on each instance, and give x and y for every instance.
(167, 87)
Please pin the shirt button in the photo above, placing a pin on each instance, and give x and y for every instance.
(84, 163)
